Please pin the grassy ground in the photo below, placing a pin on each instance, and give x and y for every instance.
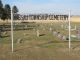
(45, 47)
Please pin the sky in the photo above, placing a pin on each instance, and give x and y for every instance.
(46, 6)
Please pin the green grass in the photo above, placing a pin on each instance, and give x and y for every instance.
(31, 34)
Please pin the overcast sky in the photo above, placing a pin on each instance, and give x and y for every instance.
(47, 6)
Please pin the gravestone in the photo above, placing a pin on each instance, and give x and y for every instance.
(50, 29)
(63, 38)
(26, 26)
(73, 36)
(19, 40)
(62, 26)
(78, 33)
(54, 33)
(5, 33)
(37, 33)
(59, 36)
(75, 27)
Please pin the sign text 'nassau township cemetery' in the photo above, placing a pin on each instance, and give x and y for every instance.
(43, 17)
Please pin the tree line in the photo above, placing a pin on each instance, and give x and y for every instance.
(5, 11)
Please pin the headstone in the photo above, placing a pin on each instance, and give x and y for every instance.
(78, 33)
(25, 26)
(54, 33)
(75, 27)
(78, 36)
(59, 36)
(5, 33)
(62, 26)
(74, 36)
(19, 40)
(50, 29)
(63, 38)
(37, 33)
(66, 27)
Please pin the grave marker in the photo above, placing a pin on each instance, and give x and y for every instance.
(59, 36)
(19, 40)
(63, 37)
(75, 27)
(78, 33)
(54, 33)
(62, 26)
(50, 29)
(26, 26)
(37, 33)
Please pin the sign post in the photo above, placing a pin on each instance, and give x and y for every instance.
(69, 29)
(12, 28)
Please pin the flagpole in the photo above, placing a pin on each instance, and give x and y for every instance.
(69, 30)
(12, 28)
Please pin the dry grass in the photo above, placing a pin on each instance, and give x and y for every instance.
(31, 52)
(39, 48)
